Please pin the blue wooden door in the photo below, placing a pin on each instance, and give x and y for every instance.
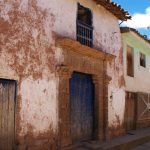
(82, 106)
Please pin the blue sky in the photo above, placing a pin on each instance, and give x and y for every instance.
(140, 12)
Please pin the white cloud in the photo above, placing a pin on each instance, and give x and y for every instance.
(139, 20)
(148, 10)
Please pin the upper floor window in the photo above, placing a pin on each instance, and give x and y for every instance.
(142, 60)
(130, 62)
(84, 26)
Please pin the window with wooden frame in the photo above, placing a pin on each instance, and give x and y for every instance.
(142, 60)
(130, 61)
(84, 26)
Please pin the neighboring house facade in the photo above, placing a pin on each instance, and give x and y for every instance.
(61, 72)
(136, 72)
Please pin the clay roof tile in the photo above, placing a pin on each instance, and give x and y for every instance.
(127, 29)
(115, 9)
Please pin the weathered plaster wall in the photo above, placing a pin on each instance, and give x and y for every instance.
(107, 38)
(140, 82)
(28, 55)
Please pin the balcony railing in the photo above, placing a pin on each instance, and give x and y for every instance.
(84, 34)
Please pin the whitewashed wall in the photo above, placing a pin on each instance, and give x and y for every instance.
(28, 55)
(140, 82)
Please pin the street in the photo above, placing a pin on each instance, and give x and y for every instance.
(145, 146)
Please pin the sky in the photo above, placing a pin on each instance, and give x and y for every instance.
(140, 12)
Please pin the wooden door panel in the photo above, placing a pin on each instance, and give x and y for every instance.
(1, 112)
(11, 115)
(130, 111)
(82, 106)
(143, 110)
(143, 102)
(7, 114)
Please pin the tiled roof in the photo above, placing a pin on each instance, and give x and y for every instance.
(115, 9)
(127, 29)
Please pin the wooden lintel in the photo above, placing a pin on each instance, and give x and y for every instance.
(73, 45)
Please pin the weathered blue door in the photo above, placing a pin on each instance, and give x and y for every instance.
(82, 106)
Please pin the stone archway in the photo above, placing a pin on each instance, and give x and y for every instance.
(86, 60)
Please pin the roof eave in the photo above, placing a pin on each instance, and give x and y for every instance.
(127, 30)
(115, 9)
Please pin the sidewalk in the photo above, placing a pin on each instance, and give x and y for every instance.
(134, 139)
(145, 146)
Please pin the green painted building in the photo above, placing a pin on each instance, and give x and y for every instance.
(136, 58)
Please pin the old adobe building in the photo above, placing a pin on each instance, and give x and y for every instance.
(61, 72)
(136, 57)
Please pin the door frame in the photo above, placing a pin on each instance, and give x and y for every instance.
(100, 113)
(80, 58)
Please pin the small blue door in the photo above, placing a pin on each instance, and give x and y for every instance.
(82, 106)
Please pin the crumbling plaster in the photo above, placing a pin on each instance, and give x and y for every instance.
(107, 38)
(28, 55)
